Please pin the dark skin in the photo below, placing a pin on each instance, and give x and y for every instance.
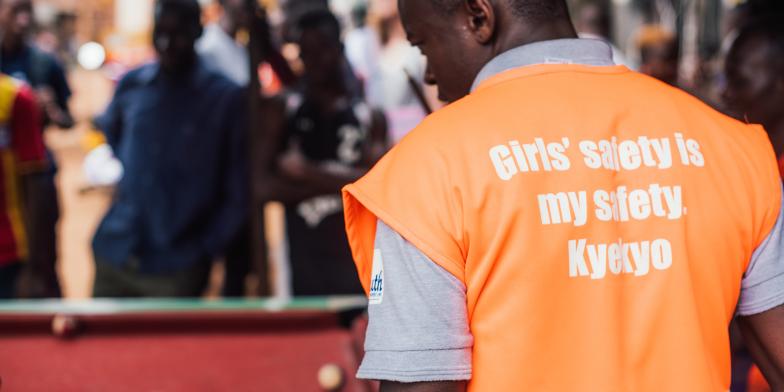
(290, 177)
(174, 38)
(755, 93)
(755, 87)
(661, 61)
(473, 35)
(16, 23)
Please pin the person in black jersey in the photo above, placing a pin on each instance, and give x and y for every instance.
(328, 137)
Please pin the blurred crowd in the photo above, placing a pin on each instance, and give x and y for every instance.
(252, 105)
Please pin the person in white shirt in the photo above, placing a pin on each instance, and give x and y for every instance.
(219, 48)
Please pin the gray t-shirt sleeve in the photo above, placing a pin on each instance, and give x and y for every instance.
(418, 323)
(762, 287)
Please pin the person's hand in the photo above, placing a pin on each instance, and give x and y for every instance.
(45, 96)
(47, 100)
(293, 163)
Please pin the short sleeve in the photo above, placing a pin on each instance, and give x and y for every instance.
(25, 124)
(762, 287)
(418, 324)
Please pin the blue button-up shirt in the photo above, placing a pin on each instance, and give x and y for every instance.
(183, 194)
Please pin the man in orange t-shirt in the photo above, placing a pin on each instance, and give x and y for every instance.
(565, 223)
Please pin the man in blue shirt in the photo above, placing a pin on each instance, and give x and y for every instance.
(178, 129)
(20, 59)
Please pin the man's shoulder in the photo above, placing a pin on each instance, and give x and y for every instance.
(138, 76)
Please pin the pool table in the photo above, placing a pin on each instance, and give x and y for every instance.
(305, 344)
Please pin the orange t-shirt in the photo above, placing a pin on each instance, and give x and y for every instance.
(600, 220)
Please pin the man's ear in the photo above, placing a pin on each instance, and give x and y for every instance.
(481, 19)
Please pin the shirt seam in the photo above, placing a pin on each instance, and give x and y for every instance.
(762, 282)
(761, 306)
(489, 83)
(407, 233)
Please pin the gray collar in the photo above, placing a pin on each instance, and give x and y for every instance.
(591, 52)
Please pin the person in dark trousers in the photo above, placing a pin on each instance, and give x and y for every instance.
(178, 129)
(329, 137)
(20, 59)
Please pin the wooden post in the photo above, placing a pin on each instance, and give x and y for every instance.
(256, 133)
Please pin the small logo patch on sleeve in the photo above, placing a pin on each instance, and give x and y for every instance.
(377, 279)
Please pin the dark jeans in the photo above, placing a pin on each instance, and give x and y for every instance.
(42, 214)
(112, 281)
(9, 275)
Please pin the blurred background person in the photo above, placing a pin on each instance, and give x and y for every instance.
(754, 93)
(225, 48)
(22, 156)
(593, 20)
(218, 46)
(21, 59)
(401, 67)
(755, 79)
(220, 50)
(362, 51)
(329, 137)
(177, 128)
(658, 54)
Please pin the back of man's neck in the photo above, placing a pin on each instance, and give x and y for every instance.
(529, 35)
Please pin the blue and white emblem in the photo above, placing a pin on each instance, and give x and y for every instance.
(377, 279)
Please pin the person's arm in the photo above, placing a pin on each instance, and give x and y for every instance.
(269, 51)
(55, 113)
(267, 184)
(761, 306)
(332, 178)
(418, 338)
(56, 98)
(110, 122)
(764, 337)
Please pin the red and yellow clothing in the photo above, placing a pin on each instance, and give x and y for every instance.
(578, 205)
(21, 150)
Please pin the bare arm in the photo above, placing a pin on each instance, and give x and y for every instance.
(764, 336)
(267, 184)
(443, 386)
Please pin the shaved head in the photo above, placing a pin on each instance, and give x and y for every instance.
(458, 37)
